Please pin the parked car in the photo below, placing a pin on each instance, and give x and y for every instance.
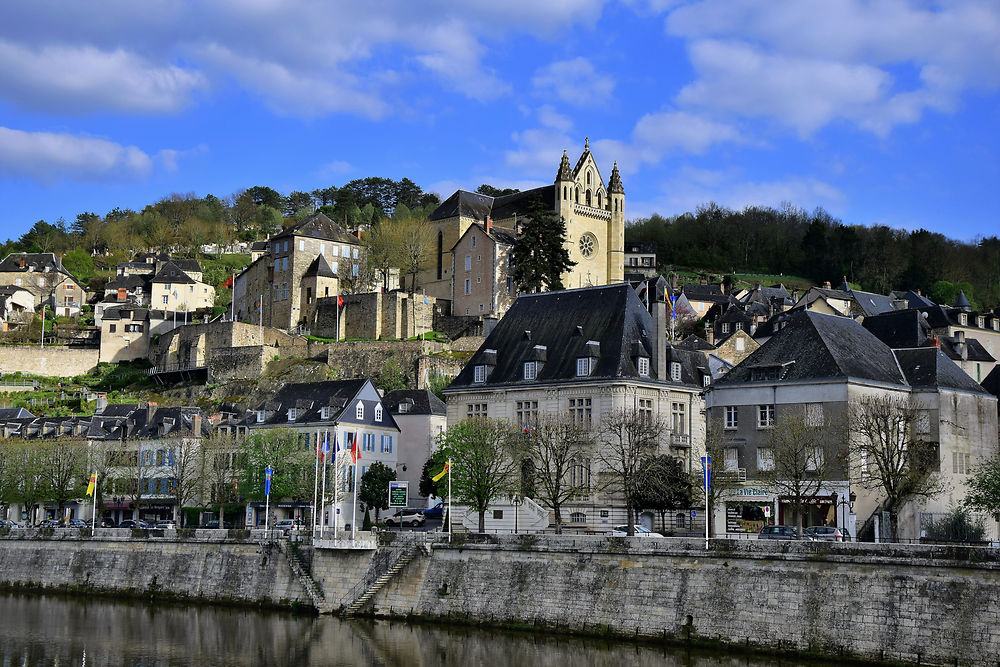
(825, 533)
(780, 532)
(436, 512)
(214, 525)
(108, 523)
(407, 516)
(79, 523)
(288, 525)
(4, 523)
(640, 531)
(167, 525)
(49, 523)
(131, 523)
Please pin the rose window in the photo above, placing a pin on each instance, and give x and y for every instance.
(588, 245)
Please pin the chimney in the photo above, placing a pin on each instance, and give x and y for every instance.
(935, 341)
(918, 292)
(489, 225)
(710, 335)
(357, 232)
(150, 411)
(722, 286)
(826, 285)
(102, 402)
(795, 295)
(660, 336)
(960, 345)
(196, 423)
(21, 264)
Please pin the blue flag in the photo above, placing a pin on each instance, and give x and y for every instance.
(706, 464)
(268, 471)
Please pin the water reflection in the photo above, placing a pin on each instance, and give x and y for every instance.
(95, 633)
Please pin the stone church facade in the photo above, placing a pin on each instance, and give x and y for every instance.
(593, 209)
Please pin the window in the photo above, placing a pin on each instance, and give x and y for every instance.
(960, 463)
(814, 459)
(468, 286)
(963, 319)
(166, 300)
(765, 458)
(277, 265)
(678, 418)
(322, 248)
(765, 416)
(706, 380)
(646, 410)
(731, 418)
(284, 290)
(581, 411)
(475, 410)
(473, 240)
(577, 517)
(814, 414)
(981, 322)
(346, 252)
(324, 412)
(675, 371)
(732, 459)
(583, 366)
(479, 279)
(302, 244)
(368, 442)
(292, 414)
(580, 475)
(643, 366)
(335, 266)
(498, 514)
(355, 253)
(286, 246)
(260, 416)
(510, 287)
(277, 247)
(741, 344)
(725, 327)
(335, 251)
(359, 410)
(530, 369)
(526, 412)
(284, 263)
(378, 412)
(112, 328)
(17, 281)
(386, 444)
(479, 374)
(468, 262)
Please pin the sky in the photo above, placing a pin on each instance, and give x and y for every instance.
(882, 112)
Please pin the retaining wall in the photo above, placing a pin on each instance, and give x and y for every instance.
(50, 361)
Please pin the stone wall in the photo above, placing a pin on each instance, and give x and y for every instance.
(358, 359)
(373, 316)
(915, 604)
(224, 571)
(52, 361)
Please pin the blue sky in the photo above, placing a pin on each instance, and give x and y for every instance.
(880, 112)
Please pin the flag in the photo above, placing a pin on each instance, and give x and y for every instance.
(426, 302)
(229, 282)
(92, 487)
(326, 445)
(340, 302)
(268, 471)
(437, 477)
(319, 452)
(355, 452)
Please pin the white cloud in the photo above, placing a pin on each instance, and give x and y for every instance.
(48, 157)
(336, 168)
(74, 79)
(549, 117)
(808, 63)
(574, 81)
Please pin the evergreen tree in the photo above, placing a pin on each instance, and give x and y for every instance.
(539, 256)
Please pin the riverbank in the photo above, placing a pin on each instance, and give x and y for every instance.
(911, 604)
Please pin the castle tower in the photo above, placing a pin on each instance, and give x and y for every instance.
(616, 232)
(565, 187)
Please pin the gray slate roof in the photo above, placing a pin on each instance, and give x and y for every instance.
(318, 226)
(476, 206)
(421, 402)
(928, 367)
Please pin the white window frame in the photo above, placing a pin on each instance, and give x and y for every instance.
(765, 458)
(530, 370)
(642, 365)
(479, 374)
(675, 371)
(378, 412)
(731, 459)
(731, 418)
(583, 366)
(765, 410)
(359, 410)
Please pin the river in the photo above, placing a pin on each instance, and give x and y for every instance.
(50, 631)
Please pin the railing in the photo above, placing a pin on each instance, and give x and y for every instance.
(591, 211)
(18, 382)
(175, 367)
(680, 440)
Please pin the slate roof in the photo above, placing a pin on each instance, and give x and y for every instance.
(320, 268)
(812, 346)
(310, 397)
(928, 367)
(992, 383)
(873, 304)
(174, 422)
(15, 413)
(564, 325)
(915, 300)
(899, 328)
(694, 342)
(974, 350)
(187, 264)
(171, 273)
(33, 261)
(420, 402)
(698, 292)
(637, 247)
(318, 226)
(122, 311)
(478, 207)
(962, 301)
(127, 282)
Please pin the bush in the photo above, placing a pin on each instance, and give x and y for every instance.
(958, 526)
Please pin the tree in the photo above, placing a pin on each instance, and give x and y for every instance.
(297, 201)
(382, 246)
(281, 450)
(801, 459)
(490, 191)
(984, 488)
(958, 526)
(80, 264)
(374, 491)
(885, 458)
(64, 465)
(628, 437)
(416, 237)
(432, 466)
(717, 441)
(554, 446)
(539, 256)
(220, 470)
(28, 485)
(184, 463)
(664, 485)
(482, 466)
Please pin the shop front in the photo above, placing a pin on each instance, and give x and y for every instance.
(748, 509)
(820, 510)
(282, 510)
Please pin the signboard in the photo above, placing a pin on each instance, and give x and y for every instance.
(398, 494)
(767, 511)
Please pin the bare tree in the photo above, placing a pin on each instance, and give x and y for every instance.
(64, 465)
(717, 441)
(416, 237)
(554, 446)
(803, 455)
(184, 463)
(219, 471)
(887, 459)
(628, 438)
(382, 243)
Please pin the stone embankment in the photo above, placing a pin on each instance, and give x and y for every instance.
(917, 604)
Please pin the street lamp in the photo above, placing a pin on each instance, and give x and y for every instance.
(516, 502)
(847, 502)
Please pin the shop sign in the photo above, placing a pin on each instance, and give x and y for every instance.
(749, 492)
(816, 500)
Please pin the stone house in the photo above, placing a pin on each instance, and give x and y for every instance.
(594, 213)
(174, 289)
(17, 305)
(339, 412)
(134, 288)
(587, 353)
(820, 365)
(983, 326)
(735, 347)
(702, 296)
(421, 417)
(124, 333)
(482, 284)
(42, 274)
(640, 258)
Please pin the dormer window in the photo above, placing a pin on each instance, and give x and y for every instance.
(324, 412)
(996, 323)
(359, 411)
(479, 374)
(530, 370)
(981, 322)
(260, 416)
(584, 366)
(725, 327)
(706, 380)
(675, 371)
(293, 414)
(642, 365)
(378, 412)
(963, 319)
(404, 407)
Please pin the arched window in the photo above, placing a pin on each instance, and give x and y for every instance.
(588, 177)
(589, 203)
(440, 253)
(600, 200)
(578, 195)
(564, 192)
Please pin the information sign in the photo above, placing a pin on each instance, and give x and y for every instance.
(398, 494)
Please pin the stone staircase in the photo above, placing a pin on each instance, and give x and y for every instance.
(308, 583)
(380, 574)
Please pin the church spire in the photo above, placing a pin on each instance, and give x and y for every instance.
(615, 182)
(565, 171)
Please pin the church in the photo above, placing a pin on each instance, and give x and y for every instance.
(593, 210)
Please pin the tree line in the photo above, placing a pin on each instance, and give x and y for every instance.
(788, 240)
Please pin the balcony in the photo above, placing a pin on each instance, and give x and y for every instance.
(590, 211)
(680, 440)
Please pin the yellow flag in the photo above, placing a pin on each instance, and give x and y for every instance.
(93, 485)
(437, 477)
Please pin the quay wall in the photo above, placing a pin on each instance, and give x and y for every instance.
(874, 602)
(50, 361)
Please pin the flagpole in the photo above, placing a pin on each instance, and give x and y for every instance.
(267, 500)
(260, 319)
(232, 302)
(322, 492)
(449, 501)
(354, 509)
(336, 482)
(315, 482)
(93, 516)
